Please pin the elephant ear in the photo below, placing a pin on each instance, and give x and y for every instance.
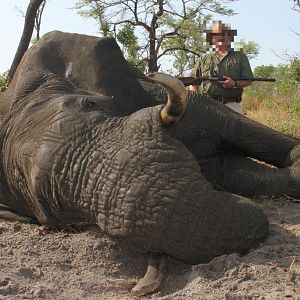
(293, 161)
(89, 63)
(294, 156)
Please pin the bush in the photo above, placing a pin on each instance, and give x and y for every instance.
(3, 81)
(295, 69)
(276, 104)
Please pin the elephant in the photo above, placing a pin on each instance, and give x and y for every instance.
(86, 137)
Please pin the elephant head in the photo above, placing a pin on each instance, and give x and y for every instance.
(85, 137)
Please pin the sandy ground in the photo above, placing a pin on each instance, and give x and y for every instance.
(83, 263)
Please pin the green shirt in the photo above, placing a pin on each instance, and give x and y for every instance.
(234, 64)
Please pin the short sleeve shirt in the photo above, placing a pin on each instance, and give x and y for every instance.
(234, 64)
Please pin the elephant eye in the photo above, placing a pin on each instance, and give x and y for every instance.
(89, 104)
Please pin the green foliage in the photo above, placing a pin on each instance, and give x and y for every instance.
(34, 41)
(275, 104)
(285, 81)
(3, 81)
(295, 69)
(251, 49)
(279, 112)
(293, 106)
(186, 46)
(129, 40)
(264, 71)
(164, 27)
(93, 9)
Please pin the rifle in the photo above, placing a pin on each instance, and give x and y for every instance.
(197, 80)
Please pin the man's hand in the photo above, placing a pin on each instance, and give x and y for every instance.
(194, 87)
(228, 83)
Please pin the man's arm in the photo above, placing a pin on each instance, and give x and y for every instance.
(246, 71)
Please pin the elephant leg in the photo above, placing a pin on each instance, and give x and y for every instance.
(154, 275)
(244, 176)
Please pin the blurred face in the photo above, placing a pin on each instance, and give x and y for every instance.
(223, 40)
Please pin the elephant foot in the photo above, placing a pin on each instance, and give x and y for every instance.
(154, 275)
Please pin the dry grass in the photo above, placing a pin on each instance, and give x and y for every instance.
(280, 112)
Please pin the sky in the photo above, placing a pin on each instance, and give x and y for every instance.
(270, 23)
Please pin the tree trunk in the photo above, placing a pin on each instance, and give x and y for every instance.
(152, 66)
(26, 36)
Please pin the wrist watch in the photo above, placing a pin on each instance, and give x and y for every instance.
(235, 85)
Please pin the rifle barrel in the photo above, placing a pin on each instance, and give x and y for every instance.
(197, 80)
(251, 79)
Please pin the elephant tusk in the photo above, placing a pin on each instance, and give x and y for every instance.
(177, 97)
(154, 276)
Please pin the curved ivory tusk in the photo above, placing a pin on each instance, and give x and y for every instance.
(177, 97)
(154, 276)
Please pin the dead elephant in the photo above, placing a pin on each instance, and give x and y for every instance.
(87, 138)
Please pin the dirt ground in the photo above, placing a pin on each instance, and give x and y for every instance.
(83, 263)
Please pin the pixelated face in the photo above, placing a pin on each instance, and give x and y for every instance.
(224, 38)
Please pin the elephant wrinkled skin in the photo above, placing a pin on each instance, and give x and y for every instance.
(82, 140)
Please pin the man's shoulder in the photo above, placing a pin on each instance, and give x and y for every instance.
(238, 53)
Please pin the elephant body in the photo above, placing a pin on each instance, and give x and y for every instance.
(82, 141)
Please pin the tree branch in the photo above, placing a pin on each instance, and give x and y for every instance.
(177, 49)
(26, 36)
(164, 36)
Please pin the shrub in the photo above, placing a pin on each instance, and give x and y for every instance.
(3, 81)
(276, 104)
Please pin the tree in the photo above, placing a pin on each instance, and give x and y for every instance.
(3, 81)
(187, 48)
(38, 20)
(30, 17)
(129, 40)
(251, 49)
(264, 71)
(95, 11)
(287, 78)
(295, 69)
(156, 21)
(187, 45)
(296, 5)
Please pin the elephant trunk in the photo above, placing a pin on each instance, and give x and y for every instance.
(177, 97)
(154, 195)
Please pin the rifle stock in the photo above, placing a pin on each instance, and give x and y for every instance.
(197, 80)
